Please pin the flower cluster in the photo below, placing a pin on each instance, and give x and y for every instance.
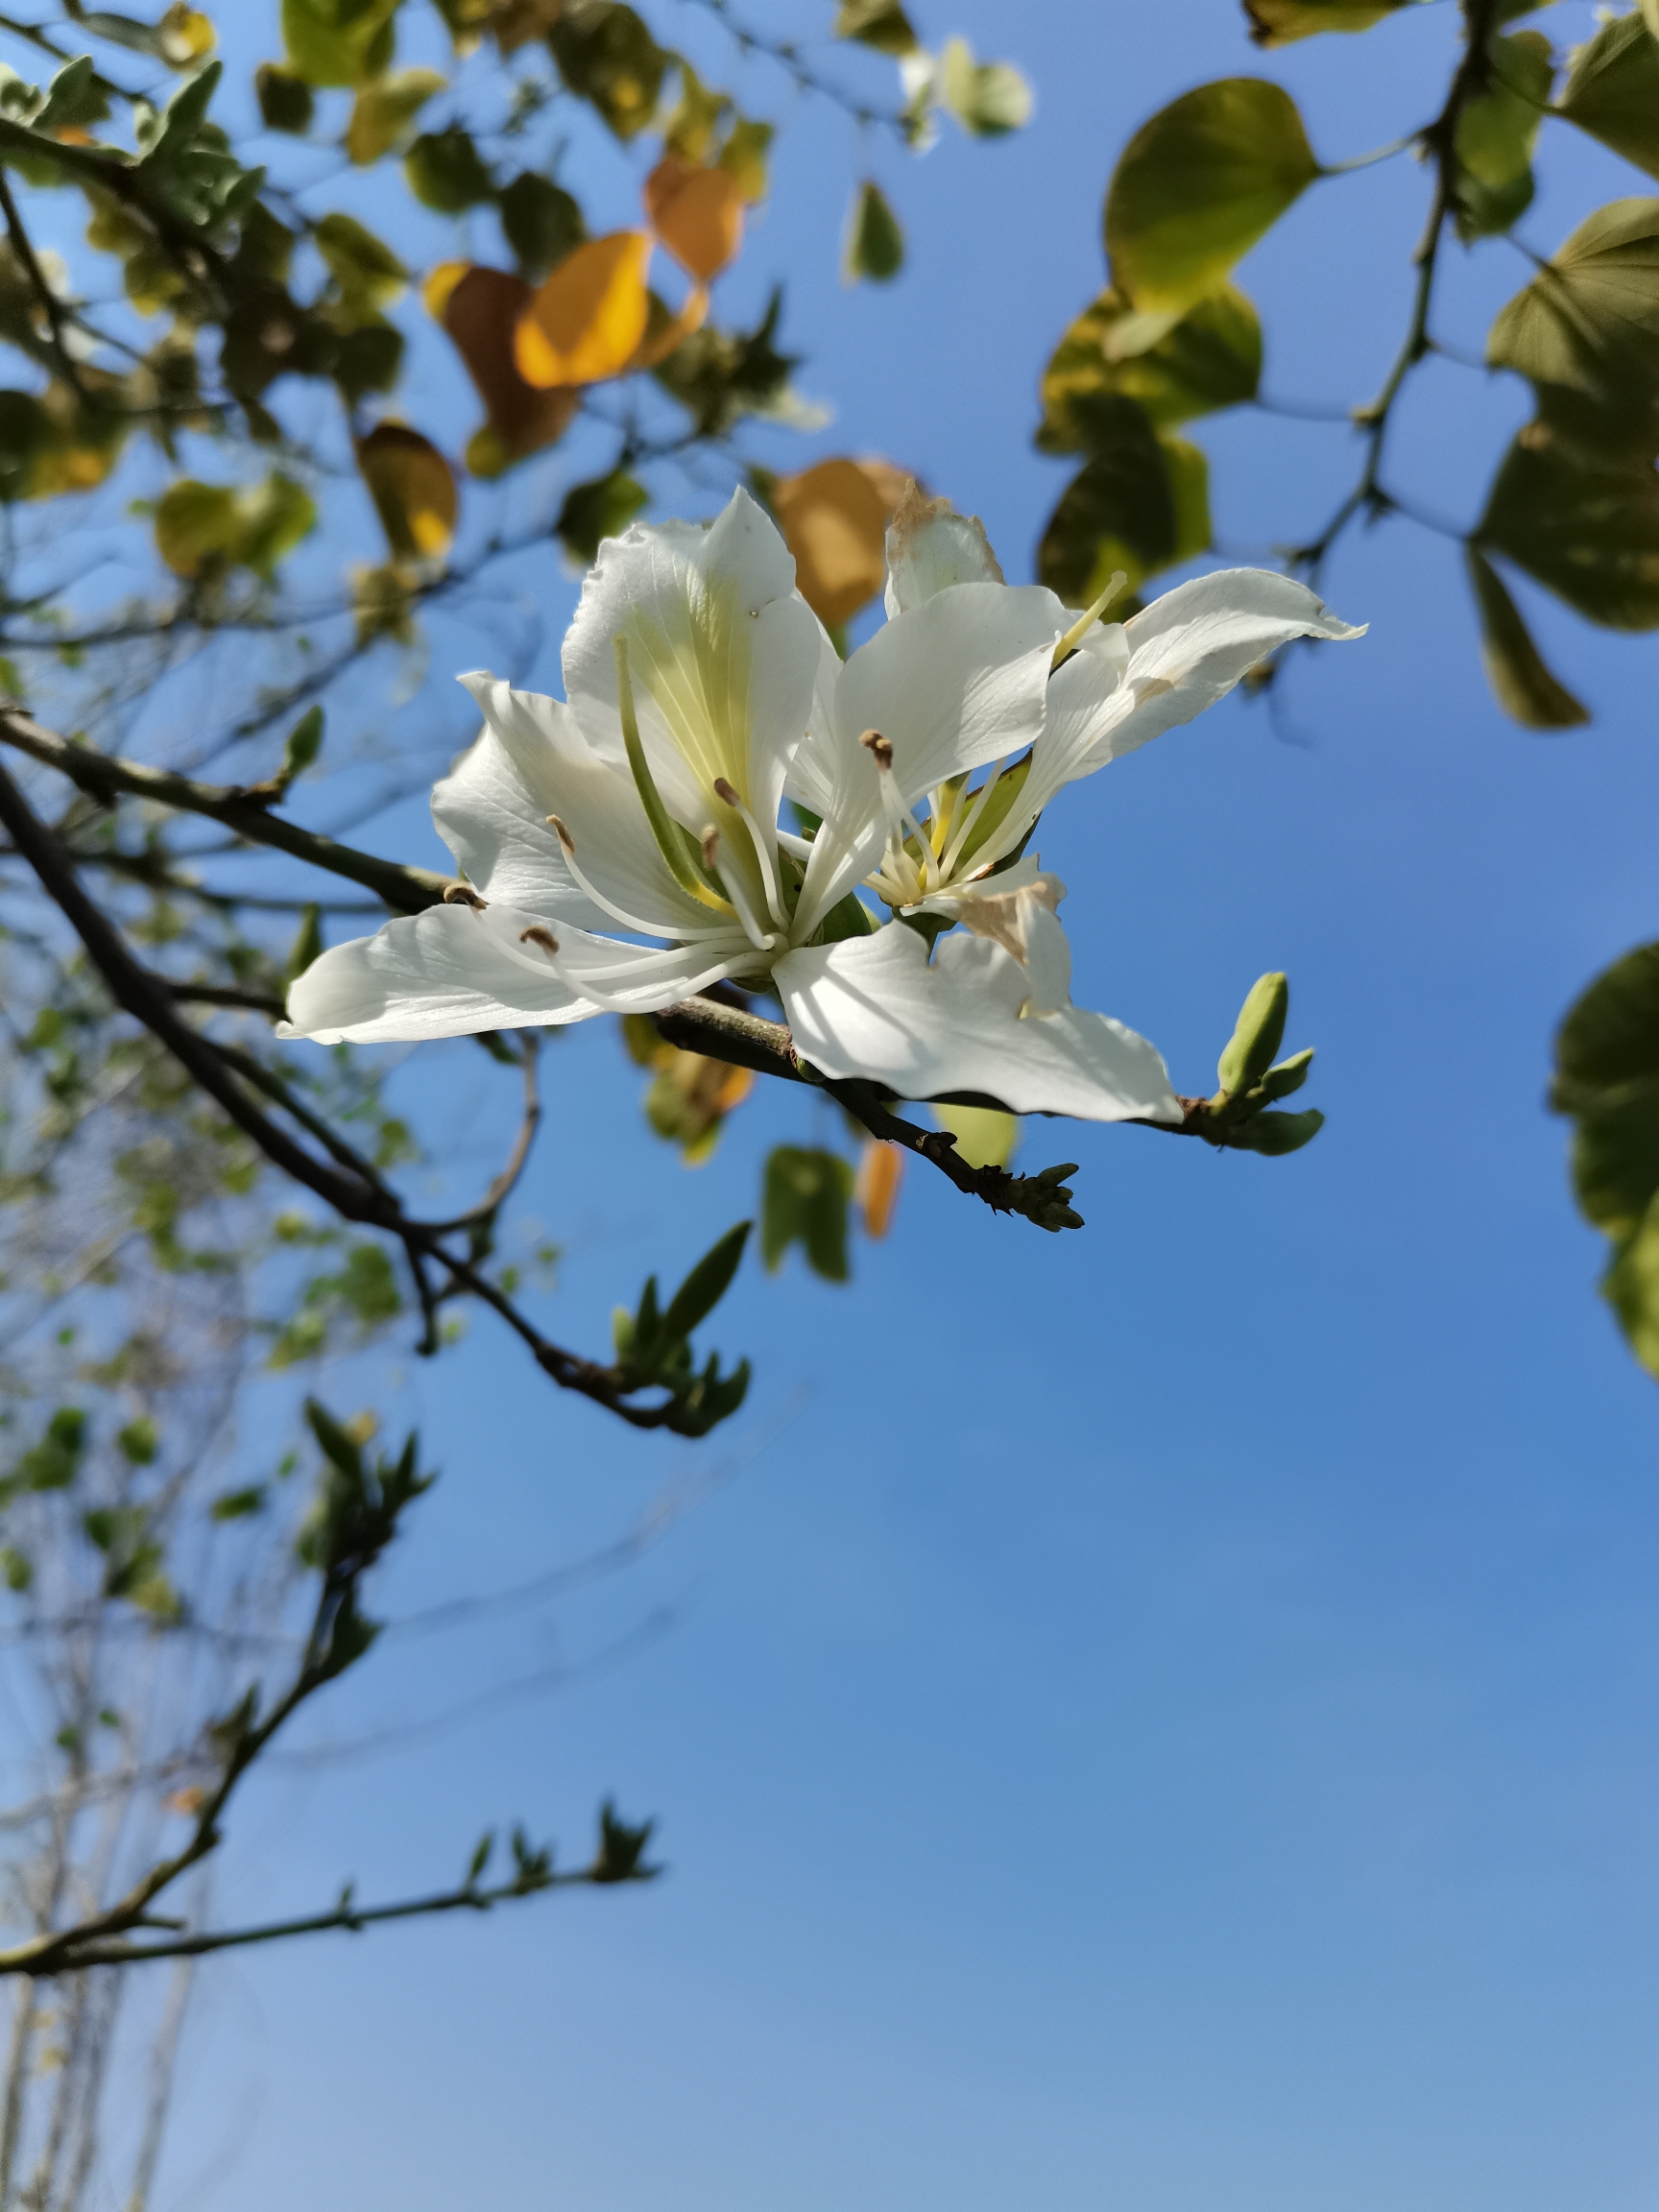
(626, 848)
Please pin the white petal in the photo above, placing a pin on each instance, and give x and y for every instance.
(930, 546)
(1189, 648)
(449, 972)
(548, 756)
(876, 1007)
(722, 650)
(490, 810)
(1017, 910)
(955, 682)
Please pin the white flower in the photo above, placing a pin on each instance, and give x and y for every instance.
(624, 850)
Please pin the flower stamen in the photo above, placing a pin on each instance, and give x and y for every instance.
(728, 797)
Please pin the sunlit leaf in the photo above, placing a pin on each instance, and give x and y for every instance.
(1586, 332)
(989, 99)
(985, 1137)
(338, 41)
(1590, 532)
(586, 322)
(697, 213)
(384, 109)
(874, 244)
(1496, 132)
(689, 131)
(481, 308)
(606, 55)
(413, 489)
(1211, 358)
(875, 1193)
(540, 222)
(1278, 22)
(199, 527)
(366, 270)
(1199, 185)
(1612, 90)
(744, 154)
(594, 511)
(880, 23)
(1521, 683)
(834, 518)
(185, 35)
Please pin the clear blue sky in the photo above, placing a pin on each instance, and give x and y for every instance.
(1163, 1718)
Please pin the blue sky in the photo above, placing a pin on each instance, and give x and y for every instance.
(1159, 1717)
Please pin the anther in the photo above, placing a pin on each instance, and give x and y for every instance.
(562, 833)
(878, 747)
(710, 847)
(537, 936)
(464, 895)
(724, 792)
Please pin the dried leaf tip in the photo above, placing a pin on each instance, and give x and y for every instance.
(464, 895)
(562, 833)
(879, 748)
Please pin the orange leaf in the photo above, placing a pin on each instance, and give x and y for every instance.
(480, 308)
(834, 516)
(586, 322)
(880, 1171)
(697, 213)
(666, 331)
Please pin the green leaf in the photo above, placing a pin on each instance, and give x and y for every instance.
(804, 1199)
(1496, 132)
(19, 1571)
(1279, 22)
(1586, 332)
(384, 109)
(446, 172)
(608, 56)
(540, 222)
(1612, 90)
(989, 99)
(369, 274)
(601, 508)
(1521, 683)
(1589, 532)
(1199, 184)
(338, 41)
(875, 245)
(413, 488)
(1257, 1035)
(1139, 505)
(139, 1442)
(1276, 1135)
(880, 23)
(238, 1505)
(707, 1284)
(985, 1136)
(285, 102)
(1211, 358)
(304, 741)
(620, 1856)
(307, 945)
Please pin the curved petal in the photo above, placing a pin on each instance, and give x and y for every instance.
(1189, 648)
(449, 972)
(930, 546)
(536, 745)
(952, 683)
(722, 651)
(876, 1007)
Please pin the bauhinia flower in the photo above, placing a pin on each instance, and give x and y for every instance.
(625, 848)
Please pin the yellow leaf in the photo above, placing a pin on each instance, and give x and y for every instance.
(985, 1138)
(585, 322)
(383, 110)
(439, 285)
(834, 516)
(413, 489)
(880, 1171)
(183, 35)
(664, 331)
(697, 213)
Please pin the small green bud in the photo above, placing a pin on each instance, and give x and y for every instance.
(1276, 1133)
(1289, 1076)
(1258, 1035)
